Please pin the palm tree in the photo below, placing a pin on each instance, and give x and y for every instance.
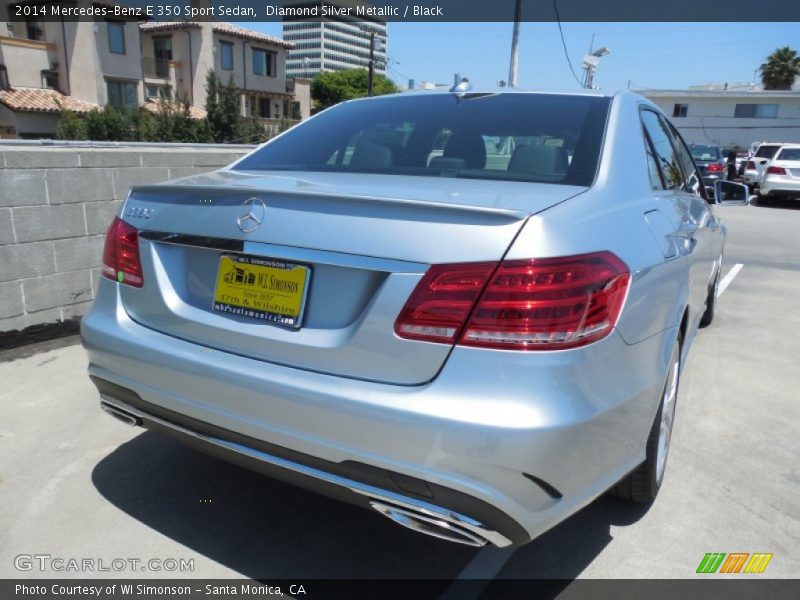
(780, 70)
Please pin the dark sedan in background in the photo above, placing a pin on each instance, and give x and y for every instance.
(711, 164)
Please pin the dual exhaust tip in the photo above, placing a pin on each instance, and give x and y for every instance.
(121, 415)
(428, 524)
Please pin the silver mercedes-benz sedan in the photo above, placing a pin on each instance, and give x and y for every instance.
(466, 311)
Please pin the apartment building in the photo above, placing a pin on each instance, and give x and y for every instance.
(178, 55)
(328, 40)
(82, 66)
(46, 65)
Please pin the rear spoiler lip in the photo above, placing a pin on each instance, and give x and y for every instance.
(507, 214)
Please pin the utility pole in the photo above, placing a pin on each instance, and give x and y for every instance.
(514, 66)
(371, 62)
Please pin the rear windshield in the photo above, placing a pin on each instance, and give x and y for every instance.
(766, 151)
(701, 152)
(521, 137)
(789, 154)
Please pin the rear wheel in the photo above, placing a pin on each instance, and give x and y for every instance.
(642, 484)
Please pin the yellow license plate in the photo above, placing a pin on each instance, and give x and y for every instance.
(261, 288)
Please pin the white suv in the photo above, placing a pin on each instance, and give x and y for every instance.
(781, 175)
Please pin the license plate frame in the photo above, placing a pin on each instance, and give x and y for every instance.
(229, 301)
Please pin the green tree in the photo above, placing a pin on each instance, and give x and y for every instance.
(332, 87)
(223, 108)
(781, 69)
(70, 126)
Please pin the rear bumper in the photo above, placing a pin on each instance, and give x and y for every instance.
(508, 443)
(780, 185)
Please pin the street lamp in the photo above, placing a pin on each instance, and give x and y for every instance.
(590, 63)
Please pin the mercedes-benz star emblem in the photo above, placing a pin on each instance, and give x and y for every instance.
(251, 215)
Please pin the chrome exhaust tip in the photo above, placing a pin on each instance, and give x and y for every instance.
(120, 414)
(429, 525)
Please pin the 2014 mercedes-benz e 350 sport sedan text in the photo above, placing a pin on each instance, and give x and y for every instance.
(466, 311)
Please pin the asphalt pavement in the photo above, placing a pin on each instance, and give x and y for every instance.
(76, 484)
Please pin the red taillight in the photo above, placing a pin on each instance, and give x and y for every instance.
(540, 304)
(750, 165)
(121, 254)
(714, 168)
(441, 302)
(776, 171)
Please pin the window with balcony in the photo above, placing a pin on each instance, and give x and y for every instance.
(116, 36)
(756, 111)
(264, 62)
(162, 51)
(226, 55)
(122, 95)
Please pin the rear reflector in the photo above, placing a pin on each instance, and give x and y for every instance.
(776, 171)
(540, 304)
(750, 165)
(121, 260)
(714, 168)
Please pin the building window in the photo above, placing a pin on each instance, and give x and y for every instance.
(263, 108)
(33, 29)
(680, 110)
(4, 78)
(122, 95)
(263, 62)
(116, 36)
(158, 91)
(50, 80)
(162, 52)
(756, 111)
(226, 55)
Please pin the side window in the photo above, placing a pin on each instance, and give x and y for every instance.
(665, 154)
(656, 182)
(693, 183)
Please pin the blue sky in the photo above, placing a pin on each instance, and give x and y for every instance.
(661, 55)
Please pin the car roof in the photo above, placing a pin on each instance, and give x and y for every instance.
(497, 90)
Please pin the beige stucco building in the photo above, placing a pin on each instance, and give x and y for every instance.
(178, 55)
(78, 64)
(85, 65)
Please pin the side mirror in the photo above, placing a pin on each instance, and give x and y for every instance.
(728, 192)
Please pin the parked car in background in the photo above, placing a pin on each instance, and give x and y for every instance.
(781, 176)
(712, 165)
(474, 344)
(755, 165)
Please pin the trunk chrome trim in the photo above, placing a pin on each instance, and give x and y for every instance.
(469, 529)
(288, 253)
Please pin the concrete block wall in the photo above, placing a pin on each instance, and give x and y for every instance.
(55, 205)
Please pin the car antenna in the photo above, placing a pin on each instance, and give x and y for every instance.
(461, 88)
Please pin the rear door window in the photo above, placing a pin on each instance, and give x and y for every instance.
(766, 151)
(789, 154)
(665, 155)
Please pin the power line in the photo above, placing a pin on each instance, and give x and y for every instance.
(564, 43)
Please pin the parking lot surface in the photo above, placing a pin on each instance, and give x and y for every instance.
(76, 484)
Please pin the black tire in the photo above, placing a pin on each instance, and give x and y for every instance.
(711, 301)
(642, 484)
(762, 199)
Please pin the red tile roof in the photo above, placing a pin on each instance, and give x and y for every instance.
(194, 113)
(41, 100)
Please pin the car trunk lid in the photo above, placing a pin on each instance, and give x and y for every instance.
(365, 244)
